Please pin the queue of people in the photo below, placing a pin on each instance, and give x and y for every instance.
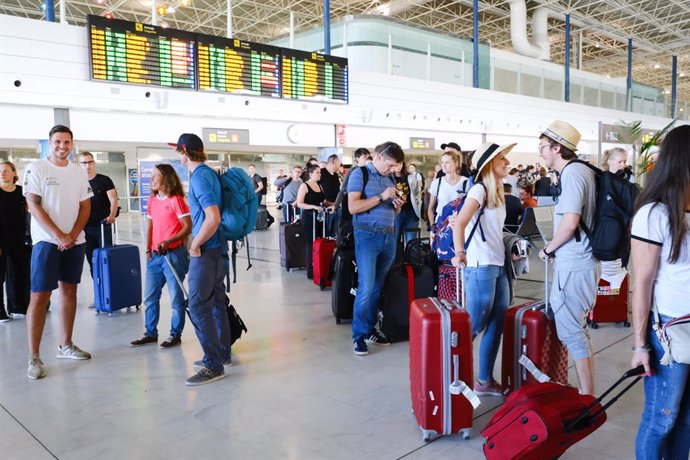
(65, 200)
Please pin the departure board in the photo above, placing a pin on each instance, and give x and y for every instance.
(131, 52)
(236, 66)
(314, 76)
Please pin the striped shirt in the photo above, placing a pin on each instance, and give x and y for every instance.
(383, 214)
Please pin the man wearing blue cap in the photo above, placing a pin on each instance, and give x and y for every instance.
(207, 299)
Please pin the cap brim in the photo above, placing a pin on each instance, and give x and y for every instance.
(171, 144)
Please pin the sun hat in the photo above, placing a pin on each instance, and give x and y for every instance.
(563, 133)
(487, 152)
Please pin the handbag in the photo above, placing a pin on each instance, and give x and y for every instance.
(674, 337)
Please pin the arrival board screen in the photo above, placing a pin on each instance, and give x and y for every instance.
(131, 52)
(314, 76)
(236, 66)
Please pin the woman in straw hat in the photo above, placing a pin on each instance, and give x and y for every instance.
(485, 280)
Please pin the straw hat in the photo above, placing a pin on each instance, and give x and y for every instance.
(563, 133)
(487, 152)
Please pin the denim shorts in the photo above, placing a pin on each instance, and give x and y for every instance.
(48, 266)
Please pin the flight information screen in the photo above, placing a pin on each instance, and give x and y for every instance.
(236, 66)
(131, 52)
(314, 76)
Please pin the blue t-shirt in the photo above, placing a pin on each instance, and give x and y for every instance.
(382, 215)
(204, 191)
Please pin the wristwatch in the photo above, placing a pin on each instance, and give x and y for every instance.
(380, 197)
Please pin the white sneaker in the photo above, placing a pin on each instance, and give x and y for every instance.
(72, 352)
(36, 370)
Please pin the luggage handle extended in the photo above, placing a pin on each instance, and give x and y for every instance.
(586, 417)
(460, 287)
(112, 231)
(323, 223)
(166, 255)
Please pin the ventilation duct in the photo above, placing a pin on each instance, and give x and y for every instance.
(541, 49)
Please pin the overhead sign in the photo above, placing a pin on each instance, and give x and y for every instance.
(422, 143)
(341, 136)
(226, 136)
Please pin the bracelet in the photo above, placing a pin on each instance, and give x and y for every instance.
(459, 252)
(548, 254)
(642, 349)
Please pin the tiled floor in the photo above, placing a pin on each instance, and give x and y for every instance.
(295, 390)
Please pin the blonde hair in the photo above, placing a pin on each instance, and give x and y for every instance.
(455, 157)
(495, 198)
(608, 154)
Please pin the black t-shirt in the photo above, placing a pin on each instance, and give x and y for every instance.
(513, 212)
(330, 184)
(12, 217)
(256, 180)
(100, 203)
(542, 187)
(403, 191)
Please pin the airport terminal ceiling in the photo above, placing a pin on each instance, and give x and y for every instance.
(660, 28)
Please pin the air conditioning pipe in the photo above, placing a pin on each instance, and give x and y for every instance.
(541, 49)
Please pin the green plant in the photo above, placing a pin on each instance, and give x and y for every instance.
(632, 133)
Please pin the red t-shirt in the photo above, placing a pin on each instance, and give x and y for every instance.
(165, 213)
(529, 203)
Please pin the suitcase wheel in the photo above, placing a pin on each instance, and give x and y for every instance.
(626, 323)
(426, 438)
(322, 284)
(466, 434)
(98, 312)
(337, 321)
(110, 315)
(594, 325)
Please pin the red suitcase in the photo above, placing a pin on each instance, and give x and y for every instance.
(540, 422)
(528, 331)
(611, 306)
(322, 255)
(441, 357)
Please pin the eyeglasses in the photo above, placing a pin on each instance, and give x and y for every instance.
(541, 147)
(86, 162)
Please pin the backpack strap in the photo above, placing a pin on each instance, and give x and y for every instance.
(478, 223)
(581, 224)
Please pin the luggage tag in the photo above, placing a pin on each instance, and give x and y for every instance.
(533, 369)
(459, 387)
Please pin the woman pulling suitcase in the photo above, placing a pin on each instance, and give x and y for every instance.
(486, 281)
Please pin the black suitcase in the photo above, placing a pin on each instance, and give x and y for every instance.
(404, 284)
(261, 218)
(418, 252)
(292, 246)
(344, 284)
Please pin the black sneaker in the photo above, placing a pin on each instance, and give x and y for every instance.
(360, 347)
(145, 339)
(204, 376)
(171, 341)
(378, 339)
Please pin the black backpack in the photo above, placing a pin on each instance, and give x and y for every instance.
(615, 207)
(264, 190)
(346, 233)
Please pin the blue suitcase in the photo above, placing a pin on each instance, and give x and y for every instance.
(116, 278)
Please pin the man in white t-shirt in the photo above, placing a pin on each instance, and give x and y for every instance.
(576, 271)
(57, 192)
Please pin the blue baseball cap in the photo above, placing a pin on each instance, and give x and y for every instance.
(189, 141)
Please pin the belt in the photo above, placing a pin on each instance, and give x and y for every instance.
(375, 229)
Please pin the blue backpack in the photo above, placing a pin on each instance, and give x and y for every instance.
(239, 204)
(442, 241)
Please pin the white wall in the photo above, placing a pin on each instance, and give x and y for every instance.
(51, 61)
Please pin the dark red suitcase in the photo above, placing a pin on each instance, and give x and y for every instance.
(611, 306)
(527, 331)
(440, 356)
(540, 422)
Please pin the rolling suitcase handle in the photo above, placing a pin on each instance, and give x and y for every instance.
(584, 419)
(112, 231)
(166, 256)
(460, 287)
(313, 224)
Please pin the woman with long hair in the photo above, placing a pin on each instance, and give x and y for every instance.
(310, 197)
(447, 187)
(169, 223)
(409, 188)
(14, 258)
(479, 228)
(615, 160)
(661, 257)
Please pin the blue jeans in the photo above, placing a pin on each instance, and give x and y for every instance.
(406, 219)
(157, 275)
(665, 427)
(208, 306)
(375, 253)
(488, 296)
